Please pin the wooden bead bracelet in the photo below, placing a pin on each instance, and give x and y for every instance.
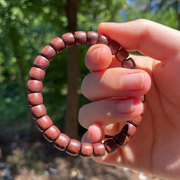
(38, 110)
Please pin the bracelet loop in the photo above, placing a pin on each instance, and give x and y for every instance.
(38, 110)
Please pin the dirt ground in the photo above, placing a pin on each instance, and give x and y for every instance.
(36, 159)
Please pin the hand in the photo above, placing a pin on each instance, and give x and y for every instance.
(155, 148)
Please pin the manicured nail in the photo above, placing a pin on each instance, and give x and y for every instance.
(125, 106)
(133, 81)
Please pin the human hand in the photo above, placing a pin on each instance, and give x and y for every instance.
(155, 148)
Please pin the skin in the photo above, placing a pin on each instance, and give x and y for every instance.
(155, 148)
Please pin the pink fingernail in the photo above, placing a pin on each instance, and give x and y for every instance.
(133, 81)
(97, 52)
(125, 106)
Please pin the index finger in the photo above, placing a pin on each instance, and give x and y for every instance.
(149, 38)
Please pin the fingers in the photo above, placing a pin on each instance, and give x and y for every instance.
(149, 38)
(110, 111)
(94, 134)
(98, 57)
(115, 82)
(112, 82)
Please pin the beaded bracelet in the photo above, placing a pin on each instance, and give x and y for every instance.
(38, 110)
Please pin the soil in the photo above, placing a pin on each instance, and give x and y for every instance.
(34, 158)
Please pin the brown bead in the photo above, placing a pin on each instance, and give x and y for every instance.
(48, 52)
(103, 40)
(44, 123)
(41, 62)
(73, 147)
(80, 37)
(52, 133)
(98, 149)
(136, 121)
(34, 86)
(121, 138)
(110, 145)
(35, 99)
(58, 44)
(86, 150)
(114, 46)
(36, 73)
(38, 111)
(143, 98)
(121, 55)
(128, 63)
(129, 129)
(62, 142)
(68, 39)
(92, 38)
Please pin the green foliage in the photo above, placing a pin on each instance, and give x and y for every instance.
(12, 103)
(164, 12)
(93, 12)
(26, 26)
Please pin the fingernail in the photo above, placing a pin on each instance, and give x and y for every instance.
(94, 133)
(125, 106)
(96, 59)
(133, 81)
(102, 24)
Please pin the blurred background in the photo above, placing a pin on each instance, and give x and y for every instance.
(26, 26)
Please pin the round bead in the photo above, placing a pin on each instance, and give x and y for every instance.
(103, 40)
(98, 149)
(80, 37)
(41, 62)
(36, 73)
(34, 86)
(129, 129)
(38, 111)
(73, 147)
(121, 55)
(35, 99)
(121, 138)
(52, 133)
(44, 123)
(128, 63)
(68, 39)
(48, 52)
(86, 150)
(58, 44)
(62, 142)
(114, 46)
(110, 145)
(92, 38)
(136, 121)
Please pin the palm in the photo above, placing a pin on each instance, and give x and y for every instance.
(155, 146)
(156, 137)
